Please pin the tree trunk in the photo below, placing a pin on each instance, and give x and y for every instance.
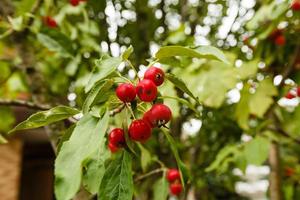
(275, 183)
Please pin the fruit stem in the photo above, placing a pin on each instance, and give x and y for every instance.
(130, 64)
(130, 110)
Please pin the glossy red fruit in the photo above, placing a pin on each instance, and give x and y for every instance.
(147, 117)
(280, 40)
(74, 2)
(156, 75)
(176, 188)
(116, 137)
(298, 91)
(50, 22)
(139, 130)
(290, 95)
(146, 90)
(173, 175)
(113, 148)
(158, 115)
(295, 5)
(126, 92)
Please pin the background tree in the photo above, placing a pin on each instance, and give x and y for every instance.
(53, 53)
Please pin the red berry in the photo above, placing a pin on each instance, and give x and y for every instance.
(155, 74)
(126, 92)
(74, 2)
(158, 115)
(173, 175)
(146, 90)
(116, 137)
(139, 130)
(290, 95)
(295, 5)
(50, 22)
(147, 117)
(176, 188)
(298, 91)
(280, 40)
(288, 171)
(112, 147)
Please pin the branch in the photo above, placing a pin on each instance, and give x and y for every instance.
(156, 171)
(21, 103)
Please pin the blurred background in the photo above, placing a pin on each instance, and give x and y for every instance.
(47, 51)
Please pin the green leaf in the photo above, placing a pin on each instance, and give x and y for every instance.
(146, 158)
(262, 99)
(256, 151)
(182, 168)
(24, 6)
(16, 23)
(117, 182)
(44, 118)
(7, 119)
(256, 104)
(79, 150)
(213, 82)
(207, 52)
(95, 168)
(225, 153)
(56, 41)
(248, 69)
(100, 90)
(180, 85)
(2, 140)
(161, 188)
(105, 67)
(127, 53)
(65, 137)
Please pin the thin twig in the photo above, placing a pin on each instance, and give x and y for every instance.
(156, 171)
(117, 110)
(22, 103)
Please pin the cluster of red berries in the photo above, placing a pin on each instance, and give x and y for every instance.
(173, 176)
(293, 93)
(75, 2)
(295, 6)
(278, 37)
(140, 130)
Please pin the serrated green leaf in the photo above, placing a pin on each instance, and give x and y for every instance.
(105, 67)
(127, 53)
(44, 118)
(181, 166)
(207, 52)
(95, 168)
(117, 182)
(79, 150)
(180, 85)
(256, 151)
(161, 188)
(100, 90)
(56, 41)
